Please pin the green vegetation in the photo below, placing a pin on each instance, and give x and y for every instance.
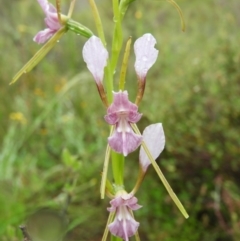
(53, 135)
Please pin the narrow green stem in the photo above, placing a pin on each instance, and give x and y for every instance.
(117, 36)
(114, 238)
(109, 82)
(117, 167)
(98, 21)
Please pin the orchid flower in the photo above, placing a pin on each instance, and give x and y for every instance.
(121, 113)
(52, 33)
(57, 25)
(124, 225)
(51, 21)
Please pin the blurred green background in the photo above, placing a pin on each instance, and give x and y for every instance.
(53, 135)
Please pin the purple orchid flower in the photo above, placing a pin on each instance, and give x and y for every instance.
(124, 224)
(51, 22)
(122, 113)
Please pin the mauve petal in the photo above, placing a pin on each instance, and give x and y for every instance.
(125, 228)
(134, 117)
(52, 22)
(51, 8)
(112, 118)
(132, 203)
(95, 56)
(146, 54)
(121, 103)
(111, 209)
(116, 202)
(124, 142)
(43, 36)
(154, 138)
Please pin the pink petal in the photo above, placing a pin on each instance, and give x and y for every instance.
(134, 116)
(51, 8)
(132, 203)
(112, 118)
(121, 103)
(124, 142)
(43, 36)
(95, 56)
(124, 224)
(52, 22)
(146, 55)
(124, 228)
(154, 138)
(116, 202)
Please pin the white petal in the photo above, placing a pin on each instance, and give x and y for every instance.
(95, 56)
(154, 138)
(146, 54)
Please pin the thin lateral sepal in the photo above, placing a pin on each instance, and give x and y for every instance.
(125, 64)
(105, 168)
(136, 235)
(70, 11)
(41, 53)
(58, 6)
(104, 173)
(141, 175)
(106, 231)
(97, 20)
(174, 4)
(161, 176)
